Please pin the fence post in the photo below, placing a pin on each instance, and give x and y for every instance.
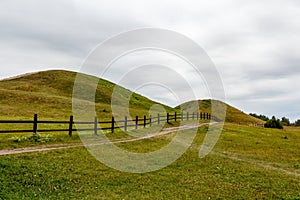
(187, 116)
(35, 123)
(200, 115)
(144, 121)
(125, 124)
(150, 120)
(136, 122)
(167, 117)
(71, 126)
(158, 119)
(95, 125)
(175, 117)
(206, 115)
(112, 124)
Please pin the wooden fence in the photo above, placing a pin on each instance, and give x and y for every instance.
(109, 125)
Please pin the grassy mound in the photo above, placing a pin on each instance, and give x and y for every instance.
(49, 94)
(233, 115)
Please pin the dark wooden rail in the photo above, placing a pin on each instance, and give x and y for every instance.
(112, 124)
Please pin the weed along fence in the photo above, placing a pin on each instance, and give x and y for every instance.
(96, 125)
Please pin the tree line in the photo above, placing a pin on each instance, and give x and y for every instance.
(274, 122)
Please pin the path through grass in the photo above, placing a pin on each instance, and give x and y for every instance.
(75, 174)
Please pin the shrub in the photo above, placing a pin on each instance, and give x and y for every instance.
(285, 121)
(297, 123)
(274, 123)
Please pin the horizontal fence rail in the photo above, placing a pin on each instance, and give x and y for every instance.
(112, 124)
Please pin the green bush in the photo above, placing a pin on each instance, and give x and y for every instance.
(297, 123)
(274, 123)
(285, 121)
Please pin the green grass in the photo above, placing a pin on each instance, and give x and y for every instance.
(48, 93)
(75, 174)
(22, 140)
(271, 145)
(247, 162)
(233, 115)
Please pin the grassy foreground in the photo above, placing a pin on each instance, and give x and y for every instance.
(247, 163)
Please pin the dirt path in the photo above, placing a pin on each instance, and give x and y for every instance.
(232, 156)
(51, 147)
(269, 166)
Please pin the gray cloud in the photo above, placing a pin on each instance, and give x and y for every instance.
(254, 44)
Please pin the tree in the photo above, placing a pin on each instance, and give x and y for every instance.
(297, 122)
(285, 121)
(262, 117)
(274, 123)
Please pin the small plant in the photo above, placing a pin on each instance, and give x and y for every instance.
(35, 137)
(296, 166)
(18, 138)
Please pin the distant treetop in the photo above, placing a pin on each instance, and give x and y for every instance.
(262, 117)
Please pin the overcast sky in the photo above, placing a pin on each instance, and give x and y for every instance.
(254, 44)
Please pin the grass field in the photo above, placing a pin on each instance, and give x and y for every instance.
(247, 163)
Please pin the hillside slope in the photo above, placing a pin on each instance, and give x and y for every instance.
(233, 115)
(49, 94)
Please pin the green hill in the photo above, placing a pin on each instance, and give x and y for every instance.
(48, 93)
(233, 115)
